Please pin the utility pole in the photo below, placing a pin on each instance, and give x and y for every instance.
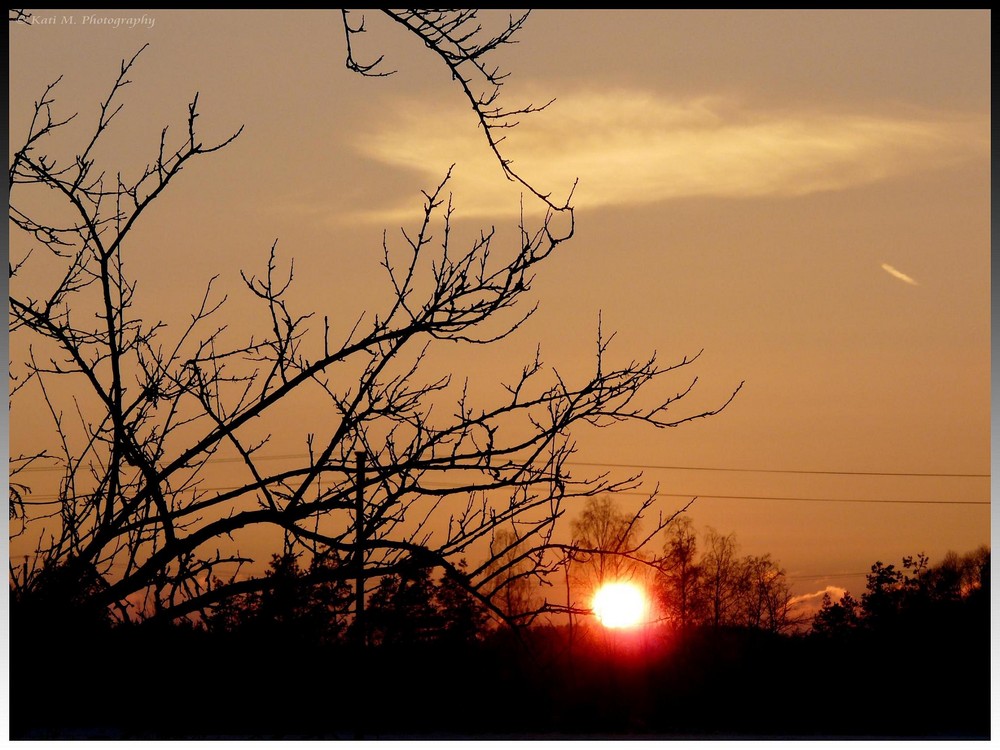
(569, 602)
(359, 548)
(361, 713)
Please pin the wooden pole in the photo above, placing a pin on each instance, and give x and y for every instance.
(359, 595)
(359, 548)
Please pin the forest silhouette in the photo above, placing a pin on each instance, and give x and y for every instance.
(908, 659)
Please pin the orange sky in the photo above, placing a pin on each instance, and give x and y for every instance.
(803, 195)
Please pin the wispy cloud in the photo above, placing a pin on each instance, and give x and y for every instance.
(835, 592)
(630, 147)
(898, 274)
(807, 605)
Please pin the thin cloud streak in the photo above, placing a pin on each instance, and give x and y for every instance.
(835, 592)
(633, 148)
(898, 274)
(806, 606)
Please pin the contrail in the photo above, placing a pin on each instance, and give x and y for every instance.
(898, 274)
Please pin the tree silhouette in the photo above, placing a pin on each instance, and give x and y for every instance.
(764, 595)
(607, 545)
(511, 577)
(292, 605)
(834, 619)
(410, 608)
(719, 588)
(139, 411)
(721, 576)
(960, 576)
(679, 584)
(882, 600)
(919, 593)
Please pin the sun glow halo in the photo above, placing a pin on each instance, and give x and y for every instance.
(619, 605)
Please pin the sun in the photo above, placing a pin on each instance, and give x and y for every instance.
(619, 605)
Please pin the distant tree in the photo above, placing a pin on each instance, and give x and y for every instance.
(401, 610)
(465, 617)
(410, 608)
(720, 588)
(59, 599)
(606, 543)
(834, 619)
(916, 594)
(679, 583)
(882, 600)
(721, 576)
(511, 580)
(309, 604)
(764, 595)
(975, 568)
(950, 580)
(959, 576)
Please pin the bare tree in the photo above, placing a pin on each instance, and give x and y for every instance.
(720, 588)
(139, 411)
(511, 576)
(680, 582)
(721, 575)
(764, 595)
(959, 575)
(606, 541)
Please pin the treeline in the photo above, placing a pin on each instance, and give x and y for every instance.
(909, 658)
(694, 583)
(916, 593)
(405, 609)
(718, 586)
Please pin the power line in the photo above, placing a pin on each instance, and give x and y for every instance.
(814, 499)
(781, 471)
(226, 460)
(36, 499)
(827, 575)
(612, 465)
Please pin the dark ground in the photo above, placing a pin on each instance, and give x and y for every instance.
(928, 678)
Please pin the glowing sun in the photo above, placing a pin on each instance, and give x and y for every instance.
(619, 605)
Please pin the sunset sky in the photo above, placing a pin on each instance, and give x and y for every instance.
(805, 196)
